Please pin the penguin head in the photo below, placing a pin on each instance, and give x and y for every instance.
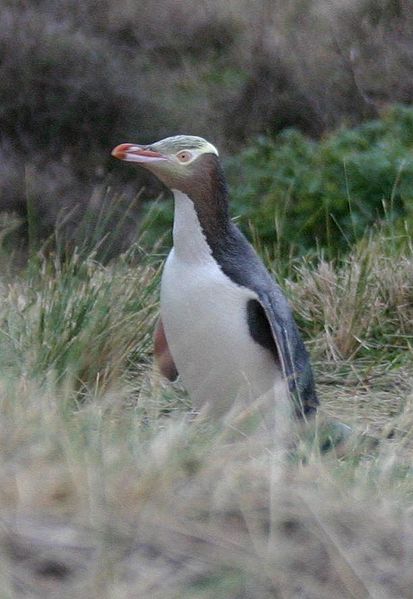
(181, 162)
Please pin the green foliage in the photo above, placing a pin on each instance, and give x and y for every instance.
(80, 77)
(309, 194)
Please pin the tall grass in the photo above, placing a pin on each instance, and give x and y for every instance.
(109, 486)
(362, 304)
(78, 319)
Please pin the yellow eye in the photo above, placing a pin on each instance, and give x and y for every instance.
(184, 156)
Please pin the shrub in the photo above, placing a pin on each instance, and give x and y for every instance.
(300, 192)
(79, 77)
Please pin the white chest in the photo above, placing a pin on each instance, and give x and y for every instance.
(205, 319)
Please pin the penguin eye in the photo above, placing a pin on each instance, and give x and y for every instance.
(184, 156)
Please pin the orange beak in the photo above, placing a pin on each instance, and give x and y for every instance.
(135, 153)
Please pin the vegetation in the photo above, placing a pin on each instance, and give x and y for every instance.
(80, 77)
(300, 196)
(325, 194)
(108, 488)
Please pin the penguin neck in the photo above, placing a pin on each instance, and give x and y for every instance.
(200, 227)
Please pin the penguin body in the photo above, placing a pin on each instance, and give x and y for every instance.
(225, 324)
(206, 322)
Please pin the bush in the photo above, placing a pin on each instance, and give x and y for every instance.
(298, 192)
(79, 77)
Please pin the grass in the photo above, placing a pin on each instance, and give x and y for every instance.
(360, 305)
(110, 487)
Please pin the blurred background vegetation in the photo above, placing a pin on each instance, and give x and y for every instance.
(308, 101)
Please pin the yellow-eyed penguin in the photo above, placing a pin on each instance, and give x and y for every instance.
(225, 325)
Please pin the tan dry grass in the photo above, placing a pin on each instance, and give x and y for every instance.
(98, 503)
(362, 304)
(116, 491)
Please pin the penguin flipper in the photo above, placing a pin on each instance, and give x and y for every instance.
(292, 354)
(162, 353)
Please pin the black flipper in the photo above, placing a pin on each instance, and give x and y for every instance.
(292, 354)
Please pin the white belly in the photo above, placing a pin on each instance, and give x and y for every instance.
(205, 319)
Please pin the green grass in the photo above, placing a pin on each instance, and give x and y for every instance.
(110, 487)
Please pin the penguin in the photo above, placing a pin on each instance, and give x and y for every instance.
(225, 325)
